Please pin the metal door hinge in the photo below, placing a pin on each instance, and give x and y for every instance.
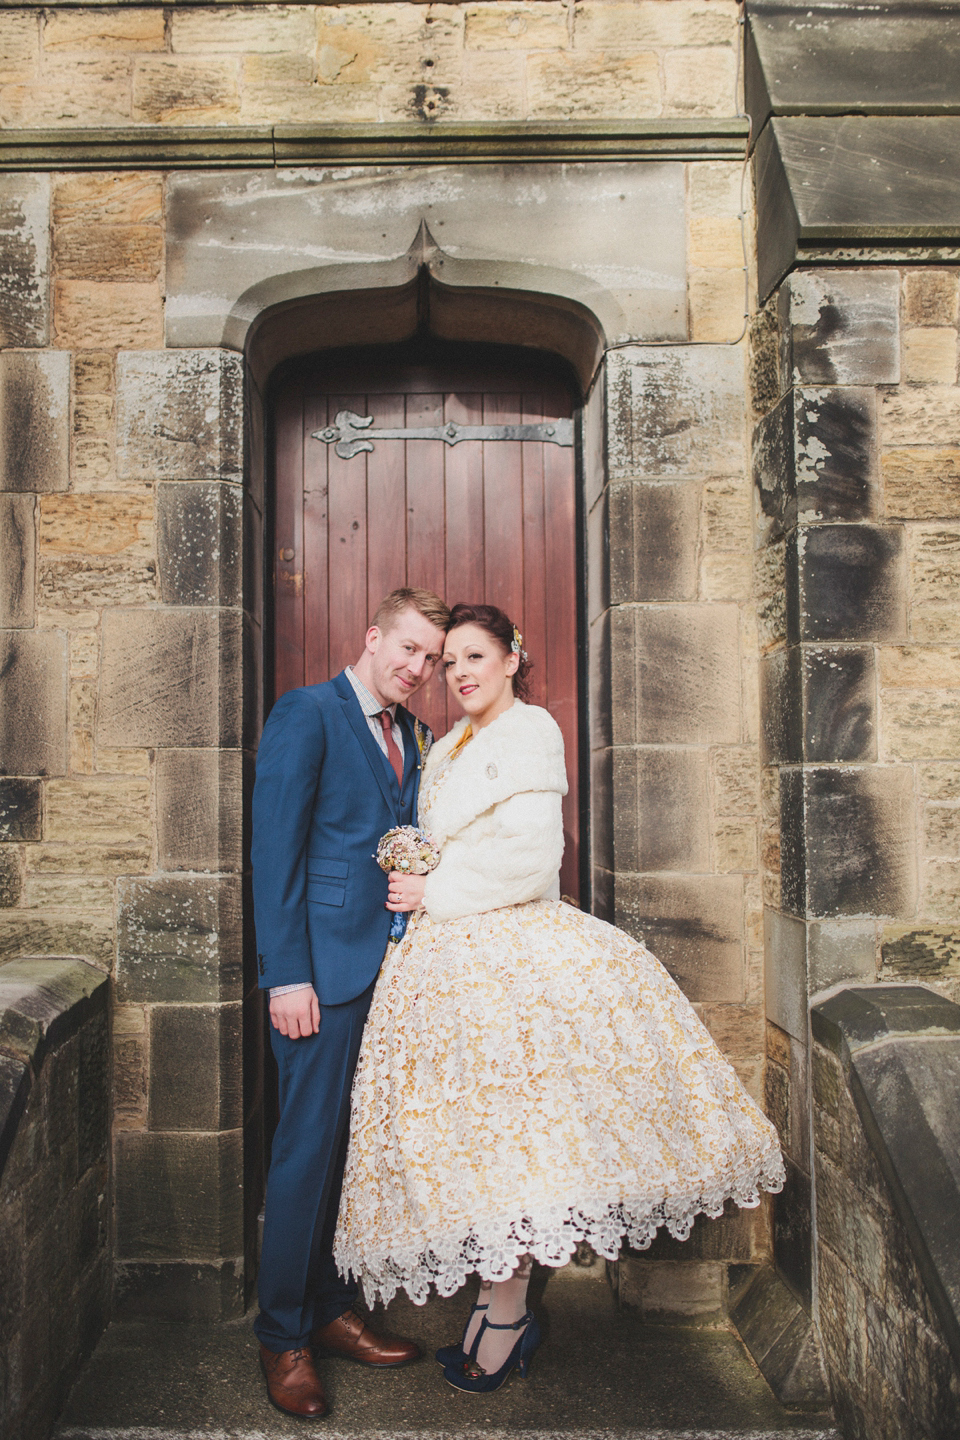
(351, 433)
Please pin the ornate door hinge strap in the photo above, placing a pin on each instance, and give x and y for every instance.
(351, 433)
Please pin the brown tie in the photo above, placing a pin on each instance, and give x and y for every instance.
(393, 750)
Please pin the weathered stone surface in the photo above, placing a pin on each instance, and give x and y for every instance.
(96, 549)
(653, 541)
(920, 952)
(726, 518)
(108, 252)
(33, 703)
(660, 810)
(170, 677)
(560, 85)
(693, 924)
(179, 415)
(168, 90)
(840, 327)
(98, 809)
(770, 589)
(34, 411)
(117, 198)
(934, 565)
(83, 31)
(840, 704)
(930, 356)
(20, 45)
(920, 724)
(736, 781)
(199, 808)
(921, 482)
(179, 1196)
(17, 561)
(178, 940)
(183, 1094)
(665, 1290)
(199, 543)
(847, 841)
(24, 258)
(530, 26)
(108, 314)
(677, 411)
(20, 809)
(11, 875)
(780, 1336)
(25, 933)
(930, 297)
(914, 416)
(851, 584)
(179, 1290)
(676, 675)
(209, 32)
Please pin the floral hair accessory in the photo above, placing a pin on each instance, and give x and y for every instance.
(517, 643)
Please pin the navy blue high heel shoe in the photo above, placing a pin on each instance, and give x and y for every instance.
(456, 1354)
(474, 1379)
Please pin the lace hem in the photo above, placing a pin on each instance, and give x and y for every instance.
(493, 1251)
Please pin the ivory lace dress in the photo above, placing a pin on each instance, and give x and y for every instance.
(531, 1077)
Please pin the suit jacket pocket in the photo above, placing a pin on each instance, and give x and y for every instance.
(321, 894)
(326, 880)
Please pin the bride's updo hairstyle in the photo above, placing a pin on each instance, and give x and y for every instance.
(500, 628)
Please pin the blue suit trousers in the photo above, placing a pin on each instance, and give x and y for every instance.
(299, 1285)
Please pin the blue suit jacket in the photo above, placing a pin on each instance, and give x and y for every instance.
(325, 793)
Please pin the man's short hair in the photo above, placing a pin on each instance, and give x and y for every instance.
(425, 602)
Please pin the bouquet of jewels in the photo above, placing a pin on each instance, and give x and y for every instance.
(410, 851)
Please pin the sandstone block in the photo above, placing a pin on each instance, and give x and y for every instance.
(272, 71)
(114, 811)
(677, 411)
(839, 687)
(170, 677)
(19, 46)
(770, 592)
(653, 541)
(736, 781)
(700, 81)
(86, 90)
(934, 564)
(848, 841)
(179, 415)
(199, 544)
(561, 86)
(24, 259)
(726, 577)
(660, 810)
(33, 703)
(931, 297)
(182, 1094)
(915, 416)
(921, 482)
(92, 414)
(117, 198)
(716, 242)
(851, 584)
(354, 104)
(85, 31)
(17, 561)
(95, 581)
(531, 26)
(930, 356)
(677, 675)
(693, 924)
(24, 932)
(919, 667)
(170, 91)
(179, 1196)
(940, 781)
(840, 327)
(34, 410)
(668, 1290)
(935, 624)
(920, 953)
(102, 314)
(179, 940)
(96, 525)
(726, 519)
(735, 846)
(605, 26)
(117, 760)
(108, 252)
(20, 809)
(920, 724)
(89, 859)
(228, 30)
(718, 300)
(62, 893)
(93, 462)
(199, 809)
(941, 832)
(362, 45)
(11, 875)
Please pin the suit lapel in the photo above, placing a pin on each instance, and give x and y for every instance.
(411, 753)
(369, 746)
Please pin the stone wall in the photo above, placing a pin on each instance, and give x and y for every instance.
(197, 65)
(56, 1272)
(858, 529)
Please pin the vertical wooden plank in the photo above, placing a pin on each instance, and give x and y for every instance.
(426, 524)
(534, 622)
(316, 608)
(386, 504)
(559, 485)
(464, 507)
(503, 508)
(348, 545)
(288, 537)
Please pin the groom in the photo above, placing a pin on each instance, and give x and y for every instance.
(338, 766)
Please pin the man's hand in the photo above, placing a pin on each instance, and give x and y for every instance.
(405, 892)
(296, 1013)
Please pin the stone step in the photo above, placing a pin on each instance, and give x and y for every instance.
(600, 1373)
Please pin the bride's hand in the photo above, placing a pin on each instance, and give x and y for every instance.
(405, 892)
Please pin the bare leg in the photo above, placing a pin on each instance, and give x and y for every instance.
(507, 1304)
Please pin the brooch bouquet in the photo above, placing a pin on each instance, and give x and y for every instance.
(411, 851)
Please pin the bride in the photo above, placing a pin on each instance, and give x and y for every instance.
(530, 1077)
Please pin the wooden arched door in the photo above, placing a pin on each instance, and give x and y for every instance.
(483, 519)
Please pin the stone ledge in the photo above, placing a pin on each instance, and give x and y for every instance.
(43, 1001)
(900, 1049)
(150, 147)
(780, 1336)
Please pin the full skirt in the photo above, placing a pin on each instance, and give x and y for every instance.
(531, 1078)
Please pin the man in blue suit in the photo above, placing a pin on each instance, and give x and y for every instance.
(338, 766)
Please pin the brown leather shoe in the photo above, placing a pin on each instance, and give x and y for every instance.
(292, 1383)
(350, 1337)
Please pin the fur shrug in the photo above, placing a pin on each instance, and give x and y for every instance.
(497, 817)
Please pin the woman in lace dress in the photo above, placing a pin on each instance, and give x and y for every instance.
(530, 1076)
